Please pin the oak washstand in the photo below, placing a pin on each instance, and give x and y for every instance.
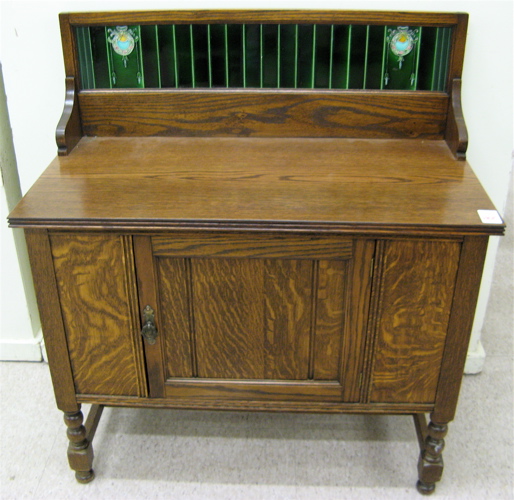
(262, 211)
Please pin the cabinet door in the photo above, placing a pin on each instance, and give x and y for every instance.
(96, 282)
(255, 317)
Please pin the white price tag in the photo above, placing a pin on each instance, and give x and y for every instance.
(490, 217)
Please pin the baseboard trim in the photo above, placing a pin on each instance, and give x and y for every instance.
(21, 350)
(475, 360)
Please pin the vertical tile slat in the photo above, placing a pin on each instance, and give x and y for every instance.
(99, 53)
(384, 59)
(270, 55)
(159, 73)
(90, 59)
(141, 73)
(366, 56)
(192, 51)
(322, 59)
(251, 51)
(85, 53)
(418, 53)
(441, 53)
(243, 42)
(278, 56)
(313, 67)
(296, 43)
(109, 58)
(287, 63)
(445, 58)
(184, 56)
(227, 72)
(175, 56)
(167, 56)
(349, 57)
(288, 56)
(261, 55)
(331, 60)
(433, 84)
(305, 56)
(209, 55)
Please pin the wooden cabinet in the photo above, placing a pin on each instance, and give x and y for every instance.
(241, 317)
(327, 261)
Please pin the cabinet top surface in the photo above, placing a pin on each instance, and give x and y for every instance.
(304, 184)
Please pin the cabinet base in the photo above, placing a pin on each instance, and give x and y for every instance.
(80, 450)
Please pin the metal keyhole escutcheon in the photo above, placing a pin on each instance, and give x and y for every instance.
(149, 331)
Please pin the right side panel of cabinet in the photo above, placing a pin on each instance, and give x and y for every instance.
(415, 286)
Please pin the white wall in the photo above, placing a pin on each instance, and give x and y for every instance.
(20, 330)
(18, 338)
(30, 52)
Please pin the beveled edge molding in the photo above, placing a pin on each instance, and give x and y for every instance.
(145, 226)
(69, 130)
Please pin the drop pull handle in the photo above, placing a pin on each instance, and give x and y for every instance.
(149, 331)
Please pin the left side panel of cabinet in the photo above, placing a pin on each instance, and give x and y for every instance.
(95, 299)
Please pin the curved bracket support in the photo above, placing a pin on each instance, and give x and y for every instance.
(456, 132)
(69, 130)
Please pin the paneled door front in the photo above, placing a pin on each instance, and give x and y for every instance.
(254, 317)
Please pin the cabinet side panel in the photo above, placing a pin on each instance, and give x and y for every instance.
(416, 298)
(176, 328)
(98, 316)
(40, 256)
(467, 287)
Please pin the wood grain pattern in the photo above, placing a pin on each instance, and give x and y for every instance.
(329, 319)
(259, 246)
(262, 405)
(92, 282)
(47, 294)
(148, 295)
(268, 313)
(209, 389)
(356, 312)
(373, 315)
(384, 187)
(133, 312)
(266, 113)
(69, 46)
(176, 328)
(459, 329)
(458, 45)
(264, 16)
(417, 293)
(258, 325)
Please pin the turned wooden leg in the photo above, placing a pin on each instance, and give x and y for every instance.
(430, 464)
(80, 449)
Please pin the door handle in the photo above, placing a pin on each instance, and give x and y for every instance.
(149, 330)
